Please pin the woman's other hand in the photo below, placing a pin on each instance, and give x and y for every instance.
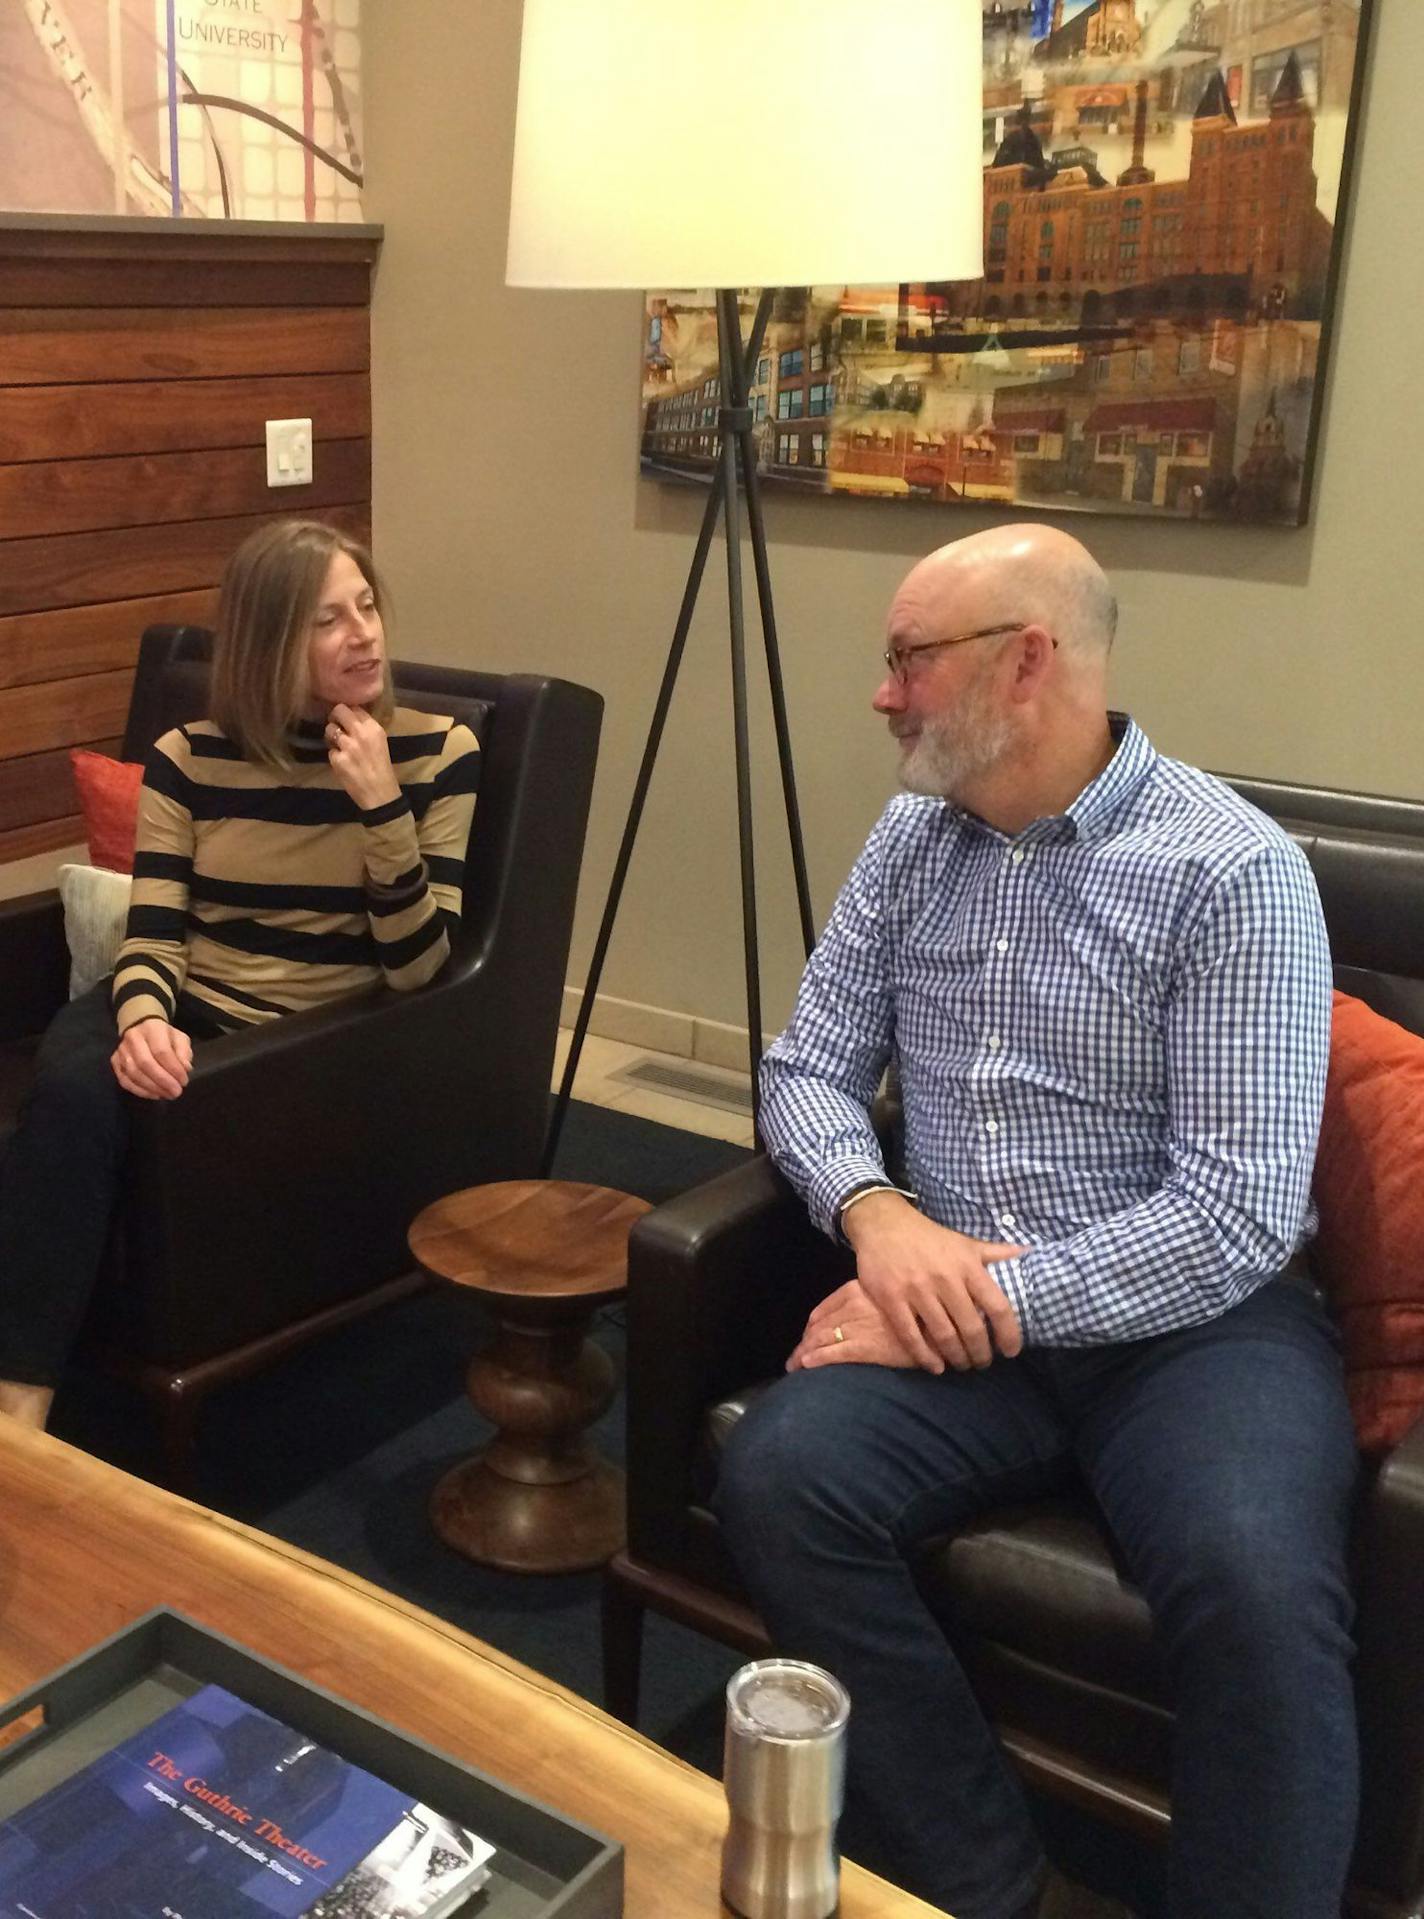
(360, 757)
(153, 1060)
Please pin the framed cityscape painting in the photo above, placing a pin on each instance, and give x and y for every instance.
(1164, 187)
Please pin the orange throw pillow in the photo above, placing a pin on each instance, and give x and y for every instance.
(108, 799)
(1369, 1187)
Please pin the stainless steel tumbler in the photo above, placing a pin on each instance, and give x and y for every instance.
(784, 1770)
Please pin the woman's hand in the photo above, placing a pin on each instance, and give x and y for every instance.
(360, 757)
(153, 1060)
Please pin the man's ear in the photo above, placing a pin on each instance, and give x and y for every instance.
(1035, 650)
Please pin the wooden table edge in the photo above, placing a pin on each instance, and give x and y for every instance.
(65, 1478)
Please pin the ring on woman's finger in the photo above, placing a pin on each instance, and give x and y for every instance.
(838, 1335)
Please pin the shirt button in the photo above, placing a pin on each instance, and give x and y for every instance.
(994, 1042)
(1018, 856)
(1008, 1219)
(1001, 946)
(991, 1126)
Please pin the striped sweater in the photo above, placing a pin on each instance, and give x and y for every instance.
(259, 893)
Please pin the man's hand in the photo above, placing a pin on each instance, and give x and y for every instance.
(846, 1330)
(360, 756)
(153, 1060)
(933, 1286)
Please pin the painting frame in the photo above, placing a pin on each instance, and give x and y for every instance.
(1154, 329)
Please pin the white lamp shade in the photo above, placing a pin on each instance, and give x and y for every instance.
(726, 143)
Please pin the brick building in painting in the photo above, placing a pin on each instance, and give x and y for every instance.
(1242, 234)
(1186, 419)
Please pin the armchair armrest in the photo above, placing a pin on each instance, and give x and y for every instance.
(1389, 1672)
(34, 964)
(350, 1119)
(720, 1281)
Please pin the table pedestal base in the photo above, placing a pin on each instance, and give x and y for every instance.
(539, 1498)
(530, 1529)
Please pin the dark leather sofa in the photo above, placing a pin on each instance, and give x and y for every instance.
(271, 1202)
(1056, 1641)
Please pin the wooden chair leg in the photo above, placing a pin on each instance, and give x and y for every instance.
(623, 1614)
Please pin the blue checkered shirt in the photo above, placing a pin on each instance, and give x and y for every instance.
(1111, 1031)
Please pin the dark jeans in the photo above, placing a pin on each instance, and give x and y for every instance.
(59, 1182)
(1224, 1465)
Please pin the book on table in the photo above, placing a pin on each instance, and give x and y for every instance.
(218, 1811)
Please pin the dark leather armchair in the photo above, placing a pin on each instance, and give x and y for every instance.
(1057, 1643)
(271, 1202)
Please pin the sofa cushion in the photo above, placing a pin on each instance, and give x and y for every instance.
(1369, 1187)
(96, 910)
(108, 799)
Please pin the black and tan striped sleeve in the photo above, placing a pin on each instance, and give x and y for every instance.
(153, 959)
(415, 863)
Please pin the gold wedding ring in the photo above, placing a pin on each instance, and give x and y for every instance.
(838, 1335)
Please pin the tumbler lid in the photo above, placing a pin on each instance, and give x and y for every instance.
(786, 1699)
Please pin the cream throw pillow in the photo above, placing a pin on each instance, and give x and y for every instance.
(96, 907)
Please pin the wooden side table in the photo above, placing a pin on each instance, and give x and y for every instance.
(547, 1253)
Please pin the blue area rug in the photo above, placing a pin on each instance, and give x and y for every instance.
(336, 1450)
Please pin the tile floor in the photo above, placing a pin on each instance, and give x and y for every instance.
(601, 1059)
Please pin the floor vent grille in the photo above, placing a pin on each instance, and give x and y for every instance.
(690, 1082)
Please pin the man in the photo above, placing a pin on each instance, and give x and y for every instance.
(1105, 981)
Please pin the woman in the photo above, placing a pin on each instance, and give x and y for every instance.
(301, 845)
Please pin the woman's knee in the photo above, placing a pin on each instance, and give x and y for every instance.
(74, 1083)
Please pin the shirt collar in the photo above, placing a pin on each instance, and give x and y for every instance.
(1091, 815)
(1096, 807)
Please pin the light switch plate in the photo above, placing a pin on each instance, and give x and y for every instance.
(289, 452)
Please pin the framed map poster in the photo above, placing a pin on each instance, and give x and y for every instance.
(217, 109)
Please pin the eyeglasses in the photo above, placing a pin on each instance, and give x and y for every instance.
(898, 658)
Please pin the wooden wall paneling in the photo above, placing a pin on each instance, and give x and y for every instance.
(139, 362)
(35, 647)
(40, 786)
(43, 346)
(182, 283)
(157, 416)
(63, 712)
(194, 244)
(43, 837)
(77, 569)
(81, 496)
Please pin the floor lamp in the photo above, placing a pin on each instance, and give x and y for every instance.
(726, 144)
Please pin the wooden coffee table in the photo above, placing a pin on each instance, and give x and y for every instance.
(546, 1254)
(86, 1550)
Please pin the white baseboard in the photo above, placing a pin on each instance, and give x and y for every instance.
(662, 1031)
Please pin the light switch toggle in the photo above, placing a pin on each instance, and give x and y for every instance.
(289, 452)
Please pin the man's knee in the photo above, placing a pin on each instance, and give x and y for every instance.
(1267, 1601)
(802, 1459)
(773, 1453)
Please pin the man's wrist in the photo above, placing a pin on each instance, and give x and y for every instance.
(864, 1203)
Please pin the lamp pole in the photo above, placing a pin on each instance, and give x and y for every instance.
(736, 462)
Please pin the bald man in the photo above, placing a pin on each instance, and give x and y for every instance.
(1104, 980)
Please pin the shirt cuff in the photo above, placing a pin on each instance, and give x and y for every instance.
(1008, 1275)
(863, 1191)
(834, 1185)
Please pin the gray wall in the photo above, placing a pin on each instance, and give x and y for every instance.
(516, 532)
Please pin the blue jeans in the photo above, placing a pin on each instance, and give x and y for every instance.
(1223, 1463)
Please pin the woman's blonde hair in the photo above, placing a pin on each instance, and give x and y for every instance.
(271, 589)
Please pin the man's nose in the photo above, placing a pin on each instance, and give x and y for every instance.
(889, 695)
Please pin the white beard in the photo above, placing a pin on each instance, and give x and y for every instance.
(957, 747)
